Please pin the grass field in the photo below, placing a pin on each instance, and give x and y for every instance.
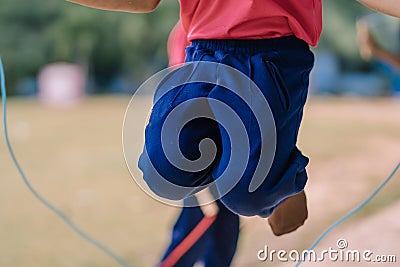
(74, 158)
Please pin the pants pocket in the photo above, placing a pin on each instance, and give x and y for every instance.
(279, 82)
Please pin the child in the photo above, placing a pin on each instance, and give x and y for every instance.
(260, 58)
(268, 40)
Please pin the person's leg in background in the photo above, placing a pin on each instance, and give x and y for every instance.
(223, 240)
(188, 219)
(216, 246)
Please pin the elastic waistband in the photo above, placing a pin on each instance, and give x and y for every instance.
(252, 46)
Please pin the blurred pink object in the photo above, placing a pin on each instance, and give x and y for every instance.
(61, 84)
(177, 42)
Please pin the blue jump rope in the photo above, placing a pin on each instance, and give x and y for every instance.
(102, 247)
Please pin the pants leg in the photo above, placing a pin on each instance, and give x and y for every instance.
(154, 163)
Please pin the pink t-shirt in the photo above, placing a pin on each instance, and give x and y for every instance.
(252, 19)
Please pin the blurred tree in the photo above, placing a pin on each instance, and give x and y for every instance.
(23, 36)
(106, 43)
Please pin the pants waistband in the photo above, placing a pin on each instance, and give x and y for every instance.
(253, 46)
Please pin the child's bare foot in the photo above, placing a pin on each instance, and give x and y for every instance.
(289, 215)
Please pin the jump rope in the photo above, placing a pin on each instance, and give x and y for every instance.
(193, 236)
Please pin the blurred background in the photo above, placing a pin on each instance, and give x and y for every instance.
(117, 51)
(70, 74)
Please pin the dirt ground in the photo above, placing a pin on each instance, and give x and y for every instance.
(74, 158)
